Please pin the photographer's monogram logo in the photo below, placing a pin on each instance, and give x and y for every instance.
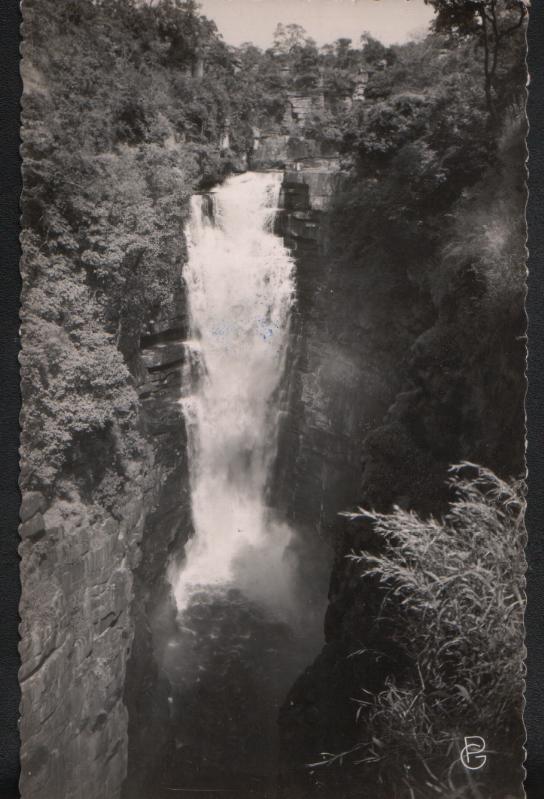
(473, 754)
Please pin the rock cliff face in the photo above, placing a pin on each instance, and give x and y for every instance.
(348, 361)
(76, 633)
(368, 346)
(343, 372)
(272, 150)
(387, 390)
(166, 529)
(94, 581)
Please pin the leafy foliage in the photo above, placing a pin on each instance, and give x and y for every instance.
(119, 128)
(452, 598)
(289, 38)
(492, 23)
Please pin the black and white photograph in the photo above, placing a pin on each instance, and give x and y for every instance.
(273, 357)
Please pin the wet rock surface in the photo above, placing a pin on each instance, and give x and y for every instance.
(418, 399)
(339, 356)
(93, 575)
(187, 704)
(166, 529)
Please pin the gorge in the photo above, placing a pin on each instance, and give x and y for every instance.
(269, 277)
(239, 565)
(276, 410)
(248, 590)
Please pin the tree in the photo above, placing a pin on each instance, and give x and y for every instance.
(288, 37)
(306, 65)
(374, 51)
(343, 48)
(492, 22)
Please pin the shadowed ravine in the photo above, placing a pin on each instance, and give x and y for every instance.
(243, 633)
(204, 400)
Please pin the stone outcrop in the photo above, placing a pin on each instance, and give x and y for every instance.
(273, 150)
(413, 401)
(349, 360)
(166, 529)
(94, 557)
(337, 392)
(301, 106)
(76, 629)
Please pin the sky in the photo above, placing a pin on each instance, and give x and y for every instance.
(390, 21)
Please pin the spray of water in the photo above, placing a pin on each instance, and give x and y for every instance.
(240, 291)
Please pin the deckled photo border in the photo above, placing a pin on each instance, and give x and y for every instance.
(534, 371)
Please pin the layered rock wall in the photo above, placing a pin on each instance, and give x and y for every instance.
(420, 400)
(166, 529)
(349, 356)
(94, 556)
(76, 634)
(274, 150)
(337, 389)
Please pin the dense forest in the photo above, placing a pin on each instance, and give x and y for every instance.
(137, 106)
(110, 162)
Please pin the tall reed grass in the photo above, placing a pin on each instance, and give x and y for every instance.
(453, 603)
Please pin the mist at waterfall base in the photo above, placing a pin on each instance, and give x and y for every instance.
(247, 625)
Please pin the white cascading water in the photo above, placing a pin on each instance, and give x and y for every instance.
(240, 288)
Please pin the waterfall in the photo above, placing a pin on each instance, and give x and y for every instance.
(240, 286)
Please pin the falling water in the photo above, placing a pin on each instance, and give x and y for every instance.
(240, 289)
(243, 629)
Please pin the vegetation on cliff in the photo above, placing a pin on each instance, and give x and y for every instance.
(120, 126)
(122, 122)
(453, 606)
(135, 106)
(434, 201)
(430, 215)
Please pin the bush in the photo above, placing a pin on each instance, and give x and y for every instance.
(453, 597)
